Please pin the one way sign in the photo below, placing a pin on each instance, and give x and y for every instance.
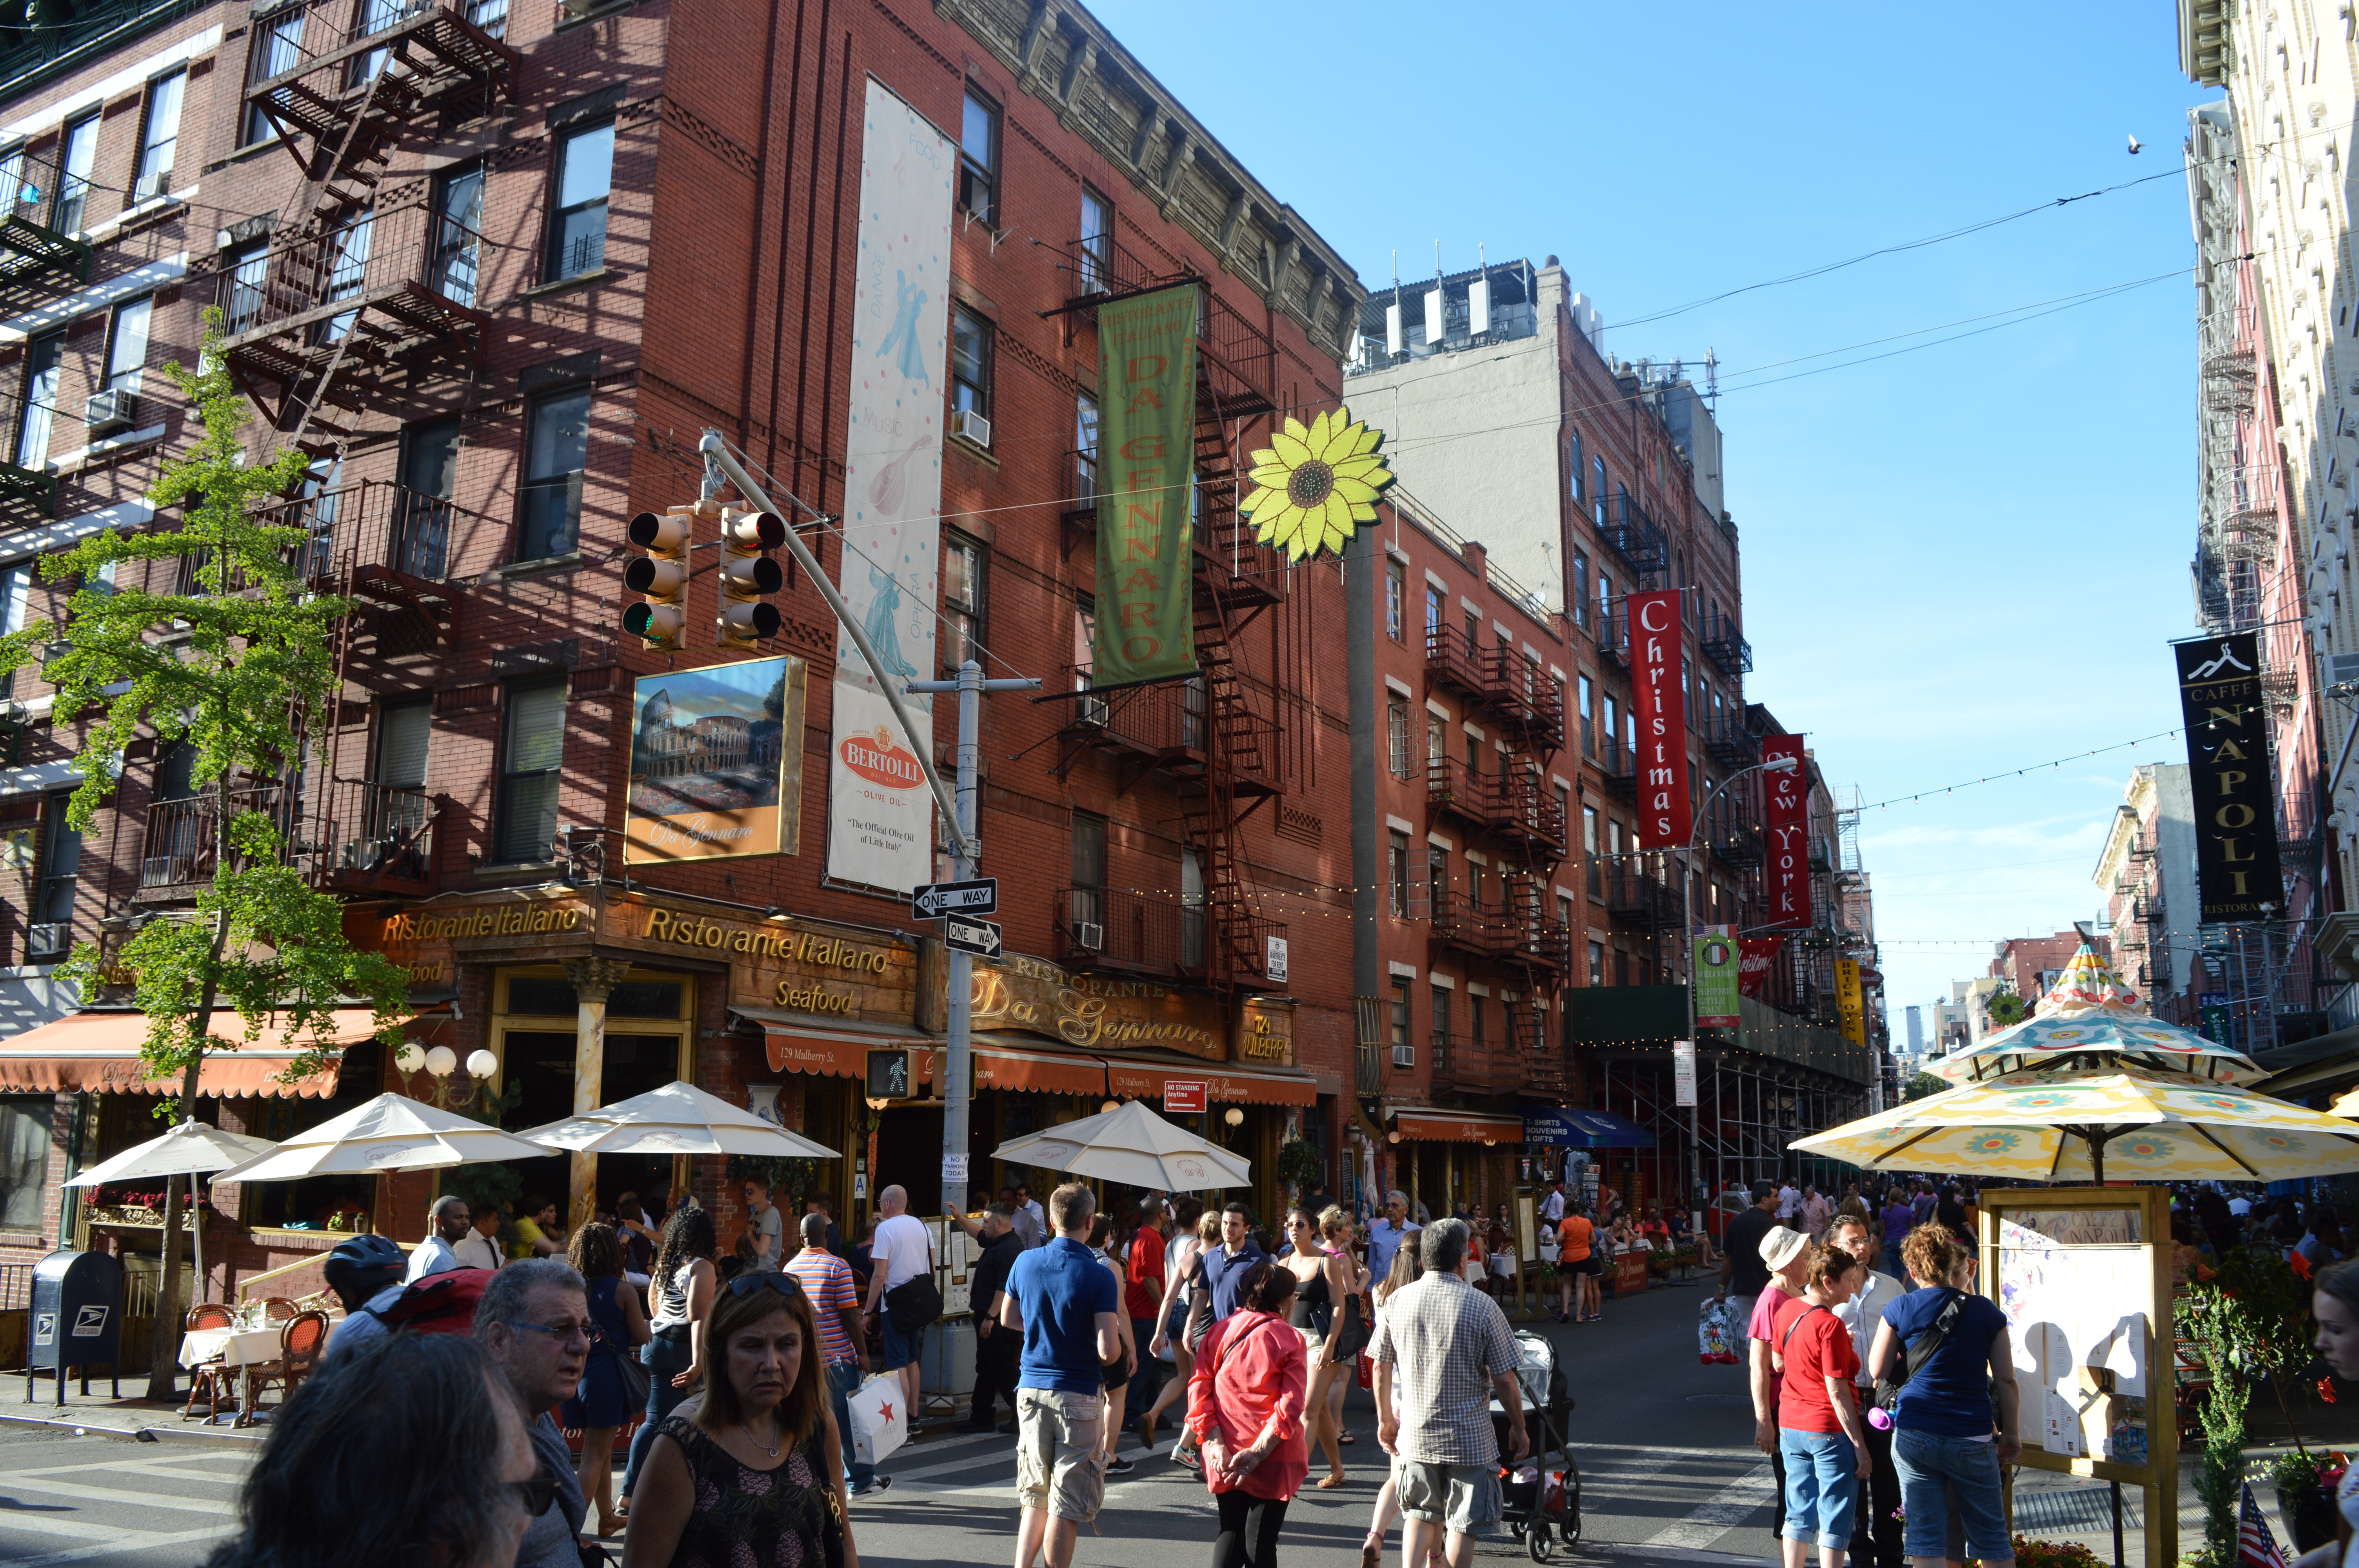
(935, 900)
(980, 937)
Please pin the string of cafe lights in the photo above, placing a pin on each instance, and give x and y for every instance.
(2053, 765)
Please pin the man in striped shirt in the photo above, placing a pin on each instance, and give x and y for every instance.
(842, 1339)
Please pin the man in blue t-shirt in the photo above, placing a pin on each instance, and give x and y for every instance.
(1063, 1299)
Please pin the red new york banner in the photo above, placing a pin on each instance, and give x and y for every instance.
(1658, 680)
(1787, 882)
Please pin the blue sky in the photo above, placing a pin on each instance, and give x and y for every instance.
(1957, 561)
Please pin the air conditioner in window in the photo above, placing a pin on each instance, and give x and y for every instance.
(2343, 669)
(110, 412)
(1093, 710)
(365, 854)
(972, 426)
(1089, 936)
(48, 939)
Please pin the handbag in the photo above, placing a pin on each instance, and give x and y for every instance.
(913, 1303)
(1350, 1334)
(636, 1382)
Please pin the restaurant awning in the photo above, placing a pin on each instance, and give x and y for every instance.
(795, 1046)
(999, 1064)
(1223, 1084)
(1430, 1124)
(1561, 1128)
(99, 1053)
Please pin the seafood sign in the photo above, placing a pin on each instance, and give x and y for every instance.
(880, 816)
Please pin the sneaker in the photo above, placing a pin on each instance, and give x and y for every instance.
(1118, 1465)
(1561, 1318)
(1186, 1456)
(875, 1484)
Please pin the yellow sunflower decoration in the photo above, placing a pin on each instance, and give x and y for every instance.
(1313, 487)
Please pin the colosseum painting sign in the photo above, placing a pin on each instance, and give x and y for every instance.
(713, 756)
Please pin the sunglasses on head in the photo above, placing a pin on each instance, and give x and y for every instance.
(786, 1285)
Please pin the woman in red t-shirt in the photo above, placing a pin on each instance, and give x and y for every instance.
(1821, 1447)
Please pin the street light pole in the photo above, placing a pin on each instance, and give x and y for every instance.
(1687, 940)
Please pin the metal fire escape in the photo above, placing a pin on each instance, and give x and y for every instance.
(364, 298)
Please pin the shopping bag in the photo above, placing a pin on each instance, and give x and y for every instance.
(1366, 1374)
(1716, 1334)
(880, 1419)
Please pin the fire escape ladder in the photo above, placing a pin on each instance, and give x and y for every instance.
(1229, 741)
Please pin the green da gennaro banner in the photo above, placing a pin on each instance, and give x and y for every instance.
(1717, 983)
(1147, 435)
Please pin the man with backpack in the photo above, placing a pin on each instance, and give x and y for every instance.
(365, 1272)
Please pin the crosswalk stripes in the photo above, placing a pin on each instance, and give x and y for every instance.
(62, 1513)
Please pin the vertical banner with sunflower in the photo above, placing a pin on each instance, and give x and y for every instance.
(1147, 433)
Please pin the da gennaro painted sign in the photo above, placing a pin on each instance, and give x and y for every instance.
(2236, 867)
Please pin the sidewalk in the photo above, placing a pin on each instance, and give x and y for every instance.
(101, 1414)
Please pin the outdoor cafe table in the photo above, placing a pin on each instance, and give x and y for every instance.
(239, 1347)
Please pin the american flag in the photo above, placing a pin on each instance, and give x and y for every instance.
(2255, 1547)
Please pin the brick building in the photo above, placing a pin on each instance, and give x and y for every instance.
(493, 268)
(1599, 478)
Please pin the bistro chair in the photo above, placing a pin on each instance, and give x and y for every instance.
(278, 1309)
(300, 1341)
(207, 1378)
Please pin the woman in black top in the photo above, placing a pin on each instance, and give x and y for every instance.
(1324, 1281)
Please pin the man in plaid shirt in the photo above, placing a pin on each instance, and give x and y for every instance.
(1450, 1347)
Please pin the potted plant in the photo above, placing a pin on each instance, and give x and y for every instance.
(2305, 1483)
(2030, 1553)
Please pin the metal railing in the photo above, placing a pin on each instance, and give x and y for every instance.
(1165, 719)
(380, 833)
(1457, 658)
(16, 1286)
(182, 843)
(1730, 742)
(1485, 928)
(1133, 930)
(1619, 764)
(409, 248)
(375, 522)
(1082, 484)
(1463, 1061)
(1724, 644)
(1631, 533)
(1639, 900)
(1614, 639)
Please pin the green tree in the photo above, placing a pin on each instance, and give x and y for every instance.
(232, 657)
(1920, 1086)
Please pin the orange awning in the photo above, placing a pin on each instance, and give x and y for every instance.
(827, 1052)
(1223, 1084)
(998, 1066)
(1432, 1126)
(99, 1052)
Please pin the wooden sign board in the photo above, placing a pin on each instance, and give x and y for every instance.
(2083, 1276)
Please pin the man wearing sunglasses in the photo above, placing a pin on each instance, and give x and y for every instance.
(534, 1321)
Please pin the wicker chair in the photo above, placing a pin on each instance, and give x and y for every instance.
(209, 1378)
(278, 1309)
(301, 1341)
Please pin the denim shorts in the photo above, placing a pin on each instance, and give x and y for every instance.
(900, 1349)
(1822, 1486)
(1950, 1490)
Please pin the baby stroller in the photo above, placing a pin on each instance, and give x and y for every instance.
(1542, 1489)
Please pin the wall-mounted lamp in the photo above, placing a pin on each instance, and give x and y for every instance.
(1233, 1117)
(1109, 1107)
(442, 1062)
(1392, 1136)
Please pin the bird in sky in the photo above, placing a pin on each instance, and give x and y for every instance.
(2136, 146)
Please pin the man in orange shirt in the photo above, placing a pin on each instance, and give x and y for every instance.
(1576, 1264)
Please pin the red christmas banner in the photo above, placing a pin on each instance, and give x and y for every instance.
(1786, 880)
(1658, 680)
(1755, 957)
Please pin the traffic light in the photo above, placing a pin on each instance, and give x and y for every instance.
(748, 575)
(661, 574)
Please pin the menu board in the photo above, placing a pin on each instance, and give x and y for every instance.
(2075, 1284)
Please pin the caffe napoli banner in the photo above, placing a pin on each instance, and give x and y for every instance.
(880, 816)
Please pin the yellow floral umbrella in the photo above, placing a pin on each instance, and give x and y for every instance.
(2089, 1017)
(2070, 1126)
(1315, 485)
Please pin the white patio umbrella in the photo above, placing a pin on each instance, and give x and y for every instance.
(1132, 1145)
(390, 1132)
(190, 1149)
(678, 1118)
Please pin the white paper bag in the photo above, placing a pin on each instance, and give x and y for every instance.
(880, 1423)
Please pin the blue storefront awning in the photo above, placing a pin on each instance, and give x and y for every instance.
(1558, 1127)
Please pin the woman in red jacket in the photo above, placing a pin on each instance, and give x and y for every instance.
(1244, 1406)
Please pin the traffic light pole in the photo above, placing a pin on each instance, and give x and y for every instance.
(970, 687)
(716, 452)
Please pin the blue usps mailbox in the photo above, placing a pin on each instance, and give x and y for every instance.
(77, 1318)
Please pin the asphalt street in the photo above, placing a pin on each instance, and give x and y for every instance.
(1662, 1443)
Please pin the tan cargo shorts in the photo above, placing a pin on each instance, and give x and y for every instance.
(1056, 1467)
